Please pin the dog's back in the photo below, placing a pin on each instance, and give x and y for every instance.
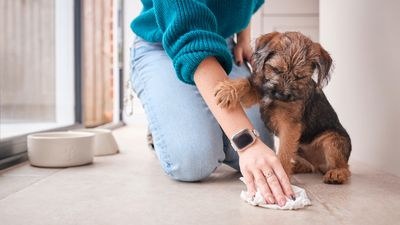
(319, 117)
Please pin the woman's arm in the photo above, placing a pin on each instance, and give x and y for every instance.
(258, 157)
(190, 34)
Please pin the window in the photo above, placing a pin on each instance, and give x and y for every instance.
(37, 61)
(53, 74)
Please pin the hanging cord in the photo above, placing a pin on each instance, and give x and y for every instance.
(128, 98)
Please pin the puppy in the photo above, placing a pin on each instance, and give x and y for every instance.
(292, 104)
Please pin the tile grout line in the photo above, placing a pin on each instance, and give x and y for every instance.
(29, 185)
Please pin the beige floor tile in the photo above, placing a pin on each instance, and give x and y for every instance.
(12, 184)
(25, 169)
(131, 188)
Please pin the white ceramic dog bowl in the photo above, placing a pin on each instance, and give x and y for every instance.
(104, 141)
(60, 149)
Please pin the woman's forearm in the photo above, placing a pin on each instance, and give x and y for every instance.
(208, 74)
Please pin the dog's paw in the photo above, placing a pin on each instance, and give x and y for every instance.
(336, 176)
(226, 95)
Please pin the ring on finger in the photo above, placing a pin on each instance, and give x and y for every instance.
(268, 173)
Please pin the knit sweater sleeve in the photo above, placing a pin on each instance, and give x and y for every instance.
(190, 35)
(257, 6)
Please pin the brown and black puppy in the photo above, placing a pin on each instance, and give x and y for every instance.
(293, 105)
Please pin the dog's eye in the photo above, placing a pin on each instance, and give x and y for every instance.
(299, 78)
(276, 71)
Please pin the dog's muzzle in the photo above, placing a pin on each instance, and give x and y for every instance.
(282, 97)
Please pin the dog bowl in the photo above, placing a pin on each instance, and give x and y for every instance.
(104, 141)
(60, 149)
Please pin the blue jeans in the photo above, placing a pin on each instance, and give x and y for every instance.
(188, 140)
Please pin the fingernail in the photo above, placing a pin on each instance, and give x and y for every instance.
(293, 197)
(281, 202)
(271, 200)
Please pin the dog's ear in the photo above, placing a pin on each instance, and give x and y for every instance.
(263, 52)
(323, 62)
(263, 40)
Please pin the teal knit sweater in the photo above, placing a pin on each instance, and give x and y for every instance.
(192, 30)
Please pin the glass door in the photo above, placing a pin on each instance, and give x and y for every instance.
(37, 70)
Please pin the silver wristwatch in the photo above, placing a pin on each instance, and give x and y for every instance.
(244, 139)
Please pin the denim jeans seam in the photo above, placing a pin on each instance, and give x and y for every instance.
(163, 154)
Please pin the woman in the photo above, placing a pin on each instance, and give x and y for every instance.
(182, 51)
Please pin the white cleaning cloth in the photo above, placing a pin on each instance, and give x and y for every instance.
(301, 201)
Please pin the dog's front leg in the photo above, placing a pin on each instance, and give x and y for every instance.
(289, 136)
(229, 93)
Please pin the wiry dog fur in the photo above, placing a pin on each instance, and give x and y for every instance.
(293, 105)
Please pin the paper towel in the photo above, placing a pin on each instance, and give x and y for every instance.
(301, 201)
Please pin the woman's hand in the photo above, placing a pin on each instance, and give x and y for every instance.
(242, 52)
(262, 169)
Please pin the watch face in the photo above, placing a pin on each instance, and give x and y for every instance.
(242, 140)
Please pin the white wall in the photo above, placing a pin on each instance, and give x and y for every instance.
(363, 37)
(288, 15)
(131, 10)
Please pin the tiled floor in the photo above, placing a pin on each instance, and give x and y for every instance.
(130, 188)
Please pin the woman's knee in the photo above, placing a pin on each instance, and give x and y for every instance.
(192, 160)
